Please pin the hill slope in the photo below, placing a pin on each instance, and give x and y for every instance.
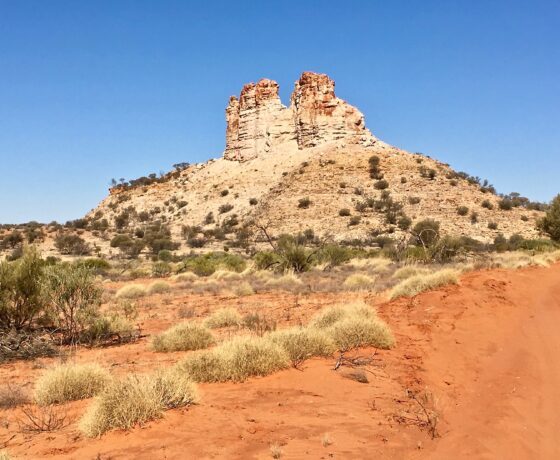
(317, 148)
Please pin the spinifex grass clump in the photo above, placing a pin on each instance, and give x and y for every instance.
(137, 399)
(183, 337)
(70, 382)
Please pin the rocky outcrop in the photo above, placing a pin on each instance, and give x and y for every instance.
(257, 121)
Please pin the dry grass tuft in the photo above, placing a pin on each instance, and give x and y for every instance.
(131, 291)
(303, 343)
(226, 275)
(376, 265)
(420, 283)
(158, 287)
(288, 282)
(225, 317)
(408, 271)
(4, 455)
(331, 315)
(243, 289)
(137, 399)
(70, 382)
(183, 337)
(236, 360)
(187, 277)
(356, 331)
(358, 282)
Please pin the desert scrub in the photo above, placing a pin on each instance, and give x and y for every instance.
(70, 382)
(236, 359)
(131, 291)
(137, 399)
(358, 281)
(356, 331)
(4, 455)
(288, 282)
(225, 317)
(331, 315)
(424, 282)
(225, 275)
(158, 287)
(409, 270)
(186, 277)
(243, 289)
(183, 337)
(303, 343)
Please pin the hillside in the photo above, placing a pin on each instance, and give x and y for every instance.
(318, 148)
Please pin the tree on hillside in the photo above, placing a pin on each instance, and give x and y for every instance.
(550, 223)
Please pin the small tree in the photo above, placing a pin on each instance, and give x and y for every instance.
(550, 223)
(426, 232)
(21, 290)
(74, 297)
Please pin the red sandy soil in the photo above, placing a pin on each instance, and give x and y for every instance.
(485, 351)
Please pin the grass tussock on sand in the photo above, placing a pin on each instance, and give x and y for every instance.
(303, 343)
(225, 317)
(352, 326)
(408, 271)
(137, 399)
(159, 287)
(131, 291)
(358, 282)
(518, 259)
(4, 455)
(70, 382)
(424, 282)
(236, 360)
(183, 337)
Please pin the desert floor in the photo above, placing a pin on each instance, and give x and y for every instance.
(481, 357)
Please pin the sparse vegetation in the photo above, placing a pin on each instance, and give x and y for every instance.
(225, 317)
(137, 399)
(183, 337)
(423, 282)
(70, 382)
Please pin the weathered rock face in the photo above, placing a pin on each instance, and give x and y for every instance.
(258, 121)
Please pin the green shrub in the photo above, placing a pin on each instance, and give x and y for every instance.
(22, 296)
(462, 210)
(161, 269)
(381, 184)
(304, 203)
(487, 204)
(206, 264)
(70, 382)
(426, 232)
(345, 212)
(165, 255)
(550, 223)
(505, 204)
(75, 297)
(183, 337)
(71, 245)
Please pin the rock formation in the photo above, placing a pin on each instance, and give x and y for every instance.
(257, 121)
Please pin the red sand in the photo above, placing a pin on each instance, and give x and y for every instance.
(486, 350)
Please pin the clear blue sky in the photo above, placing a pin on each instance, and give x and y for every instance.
(91, 90)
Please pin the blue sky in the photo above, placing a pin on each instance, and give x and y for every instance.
(92, 90)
